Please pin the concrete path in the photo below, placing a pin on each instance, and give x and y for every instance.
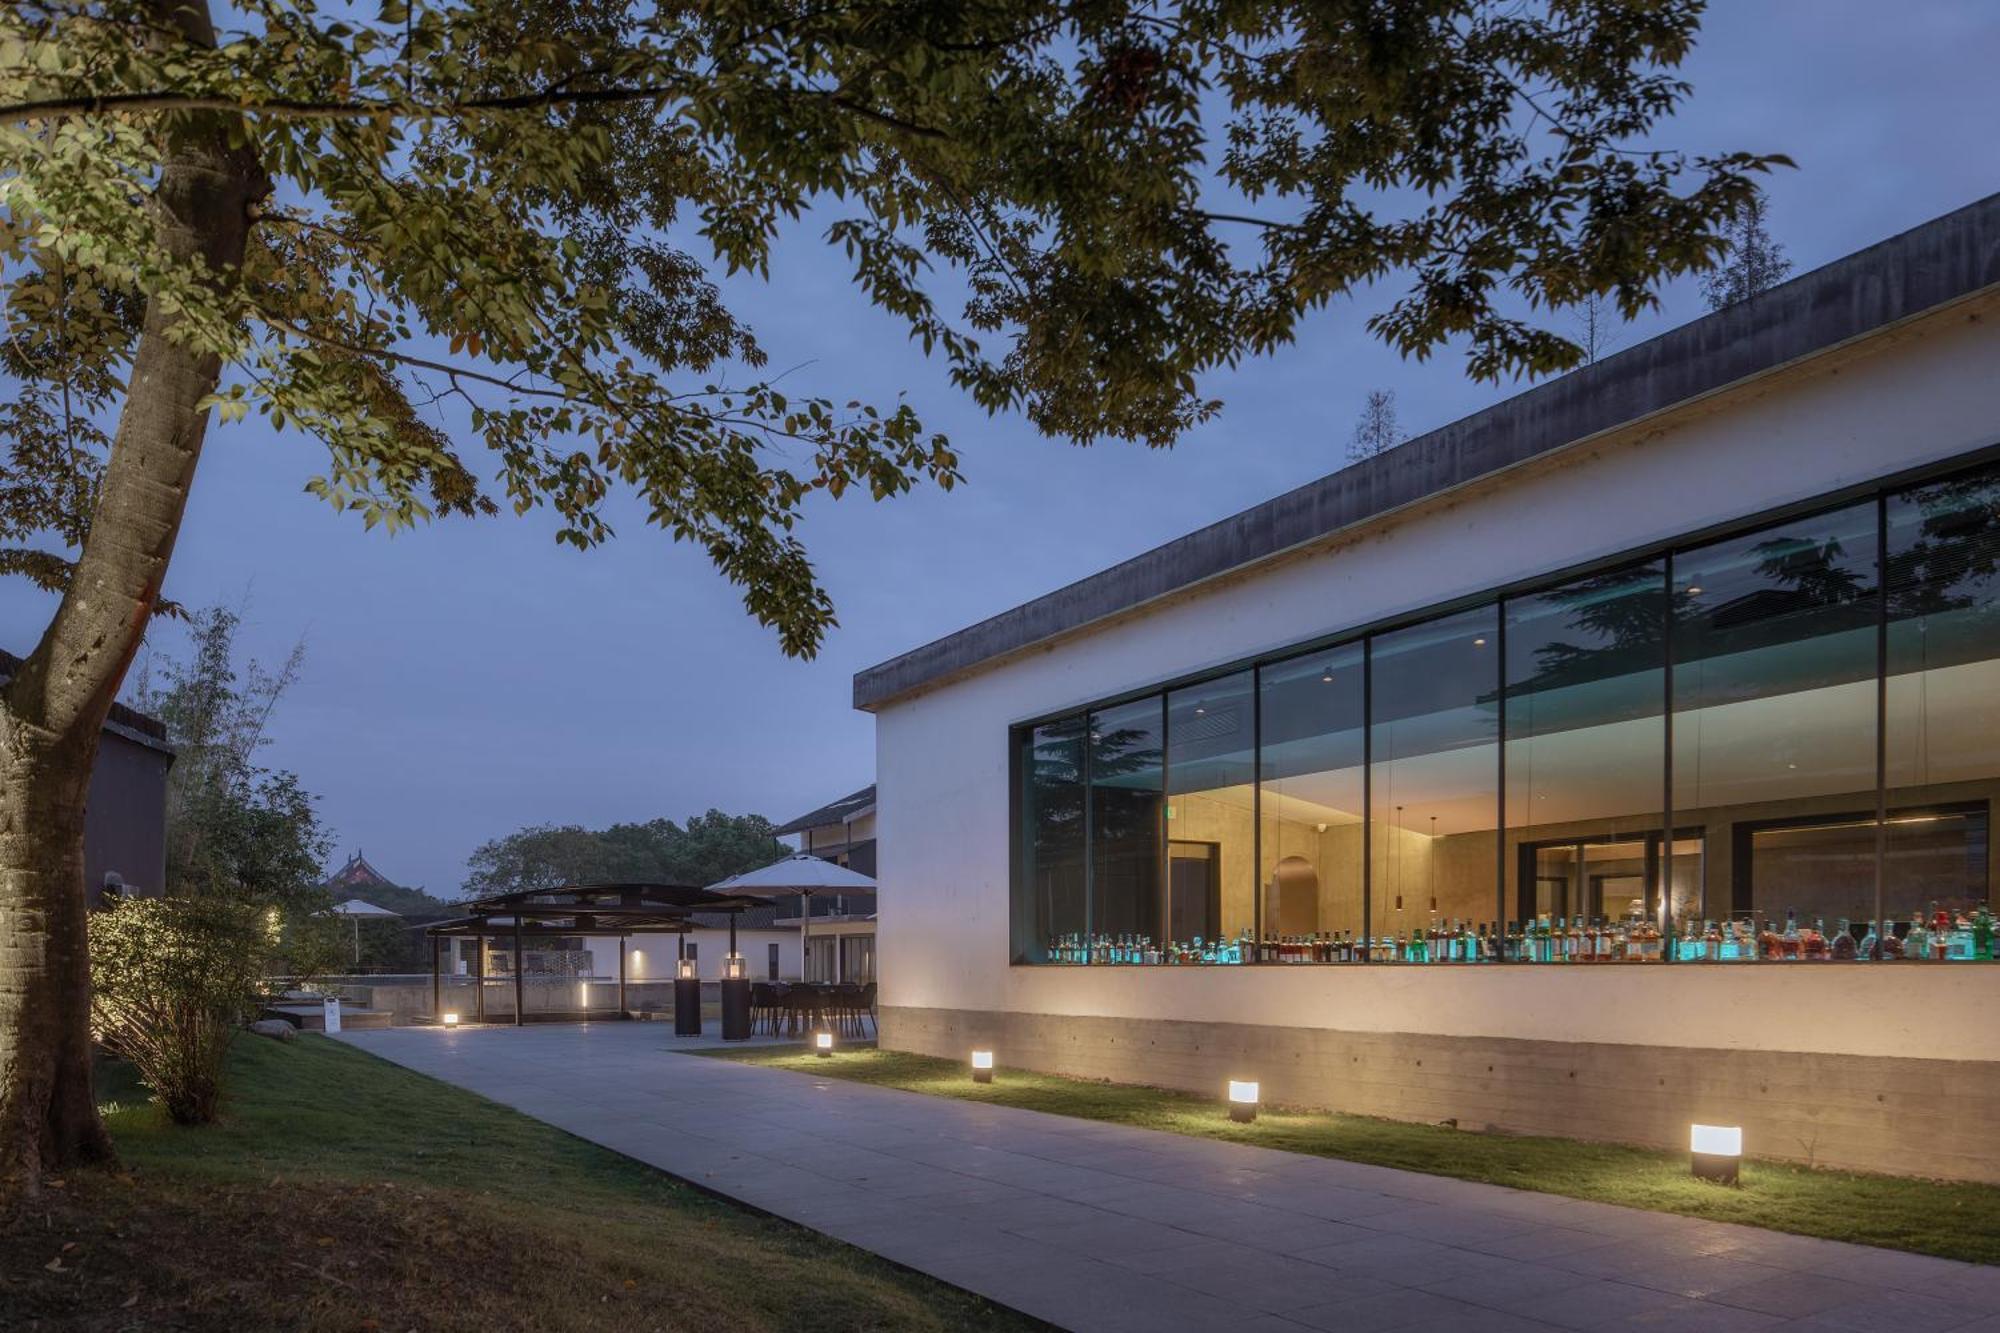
(1101, 1227)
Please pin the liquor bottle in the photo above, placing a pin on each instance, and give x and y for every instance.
(1870, 948)
(1917, 940)
(1711, 942)
(1983, 935)
(1789, 943)
(1892, 944)
(1815, 941)
(1841, 946)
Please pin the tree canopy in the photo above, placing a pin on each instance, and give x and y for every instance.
(496, 227)
(707, 848)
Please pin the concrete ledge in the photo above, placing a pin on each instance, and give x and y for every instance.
(1933, 1118)
(1944, 261)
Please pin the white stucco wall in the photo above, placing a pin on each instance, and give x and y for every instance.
(653, 957)
(1924, 393)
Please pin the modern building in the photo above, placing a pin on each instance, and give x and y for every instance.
(1620, 757)
(842, 943)
(125, 812)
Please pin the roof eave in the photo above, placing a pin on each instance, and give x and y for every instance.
(1945, 261)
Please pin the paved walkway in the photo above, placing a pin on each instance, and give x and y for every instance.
(1102, 1227)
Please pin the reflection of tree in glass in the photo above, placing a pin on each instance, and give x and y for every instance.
(1124, 809)
(1955, 549)
(1055, 784)
(1618, 616)
(1813, 570)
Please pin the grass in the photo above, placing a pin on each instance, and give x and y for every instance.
(343, 1193)
(1957, 1221)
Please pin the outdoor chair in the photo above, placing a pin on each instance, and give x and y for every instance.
(764, 1006)
(850, 1004)
(801, 1005)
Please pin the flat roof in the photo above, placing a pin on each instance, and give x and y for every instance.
(1943, 261)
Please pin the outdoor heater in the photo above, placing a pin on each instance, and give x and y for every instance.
(1717, 1152)
(734, 968)
(687, 995)
(1243, 1098)
(982, 1066)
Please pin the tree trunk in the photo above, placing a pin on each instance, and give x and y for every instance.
(53, 711)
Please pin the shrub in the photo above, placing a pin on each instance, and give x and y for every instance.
(172, 980)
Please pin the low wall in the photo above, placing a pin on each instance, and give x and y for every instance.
(407, 999)
(1921, 1117)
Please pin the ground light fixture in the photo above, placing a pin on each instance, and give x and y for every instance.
(823, 1045)
(1242, 1101)
(982, 1066)
(1717, 1152)
(451, 1020)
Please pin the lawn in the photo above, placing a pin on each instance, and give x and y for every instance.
(342, 1192)
(1958, 1221)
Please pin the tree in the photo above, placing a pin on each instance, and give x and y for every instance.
(235, 829)
(1754, 261)
(471, 225)
(659, 851)
(1375, 430)
(1593, 327)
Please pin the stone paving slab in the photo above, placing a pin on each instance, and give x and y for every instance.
(1104, 1228)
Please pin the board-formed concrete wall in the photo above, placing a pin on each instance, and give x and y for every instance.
(1915, 396)
(1921, 1117)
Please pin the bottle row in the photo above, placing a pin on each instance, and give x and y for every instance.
(1939, 936)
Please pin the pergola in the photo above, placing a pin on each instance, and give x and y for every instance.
(623, 910)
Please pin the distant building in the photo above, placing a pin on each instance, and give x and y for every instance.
(357, 874)
(125, 817)
(842, 943)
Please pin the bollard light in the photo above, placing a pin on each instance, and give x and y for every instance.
(1717, 1152)
(451, 1020)
(823, 1044)
(982, 1066)
(1242, 1101)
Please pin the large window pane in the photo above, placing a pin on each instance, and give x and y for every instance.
(1127, 904)
(1586, 747)
(1943, 736)
(1434, 799)
(1050, 918)
(1774, 647)
(1211, 856)
(1312, 801)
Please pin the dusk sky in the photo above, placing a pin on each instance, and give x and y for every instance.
(469, 678)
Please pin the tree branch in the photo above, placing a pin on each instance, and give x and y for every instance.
(160, 101)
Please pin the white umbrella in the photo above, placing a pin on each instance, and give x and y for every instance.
(355, 909)
(801, 873)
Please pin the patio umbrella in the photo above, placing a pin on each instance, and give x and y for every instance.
(801, 873)
(355, 909)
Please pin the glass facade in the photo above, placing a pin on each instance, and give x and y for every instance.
(1776, 745)
(1312, 799)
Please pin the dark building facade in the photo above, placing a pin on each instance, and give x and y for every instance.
(125, 824)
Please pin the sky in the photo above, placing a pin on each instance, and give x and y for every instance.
(472, 677)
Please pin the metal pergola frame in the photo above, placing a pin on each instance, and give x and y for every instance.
(623, 910)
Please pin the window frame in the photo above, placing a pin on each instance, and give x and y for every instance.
(1877, 492)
